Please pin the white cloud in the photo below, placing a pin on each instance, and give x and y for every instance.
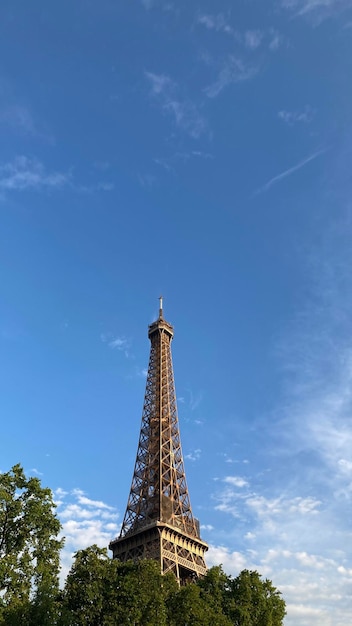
(194, 455)
(186, 116)
(195, 400)
(253, 39)
(82, 499)
(233, 562)
(29, 173)
(170, 163)
(37, 472)
(306, 115)
(250, 536)
(18, 117)
(105, 186)
(276, 40)
(236, 481)
(234, 70)
(165, 6)
(250, 39)
(316, 9)
(142, 373)
(268, 508)
(85, 522)
(184, 112)
(100, 186)
(160, 83)
(217, 22)
(148, 181)
(117, 343)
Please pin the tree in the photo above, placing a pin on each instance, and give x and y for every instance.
(256, 602)
(215, 588)
(29, 551)
(100, 591)
(191, 607)
(87, 586)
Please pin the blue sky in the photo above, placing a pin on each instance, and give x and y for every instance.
(200, 151)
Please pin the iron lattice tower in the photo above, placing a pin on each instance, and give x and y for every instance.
(158, 522)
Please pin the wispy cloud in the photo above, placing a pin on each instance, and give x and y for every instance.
(148, 181)
(194, 455)
(253, 39)
(316, 9)
(195, 399)
(219, 22)
(25, 173)
(117, 343)
(250, 39)
(305, 115)
(170, 163)
(18, 117)
(236, 481)
(234, 70)
(96, 504)
(29, 173)
(185, 113)
(186, 116)
(275, 40)
(165, 5)
(120, 343)
(93, 187)
(35, 471)
(289, 171)
(160, 84)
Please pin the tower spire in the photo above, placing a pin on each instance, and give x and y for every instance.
(158, 523)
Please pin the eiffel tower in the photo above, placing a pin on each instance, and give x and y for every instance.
(158, 523)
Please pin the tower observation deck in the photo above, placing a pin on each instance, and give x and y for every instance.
(158, 523)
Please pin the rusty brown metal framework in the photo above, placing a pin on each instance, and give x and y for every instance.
(158, 523)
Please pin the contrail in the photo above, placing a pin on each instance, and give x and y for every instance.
(290, 171)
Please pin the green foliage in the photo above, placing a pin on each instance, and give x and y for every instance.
(256, 602)
(192, 607)
(215, 588)
(29, 551)
(103, 592)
